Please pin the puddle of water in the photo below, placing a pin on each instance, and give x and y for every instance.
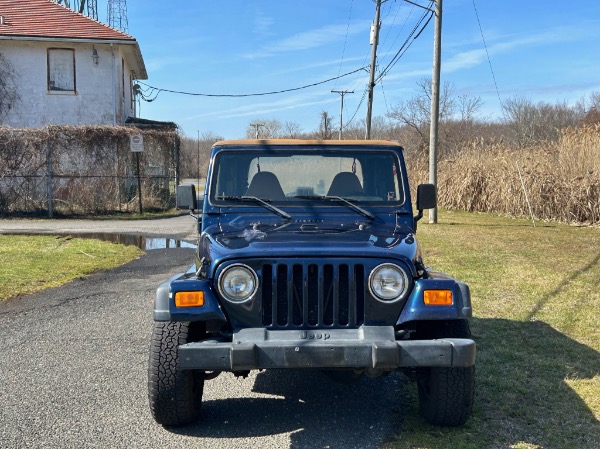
(141, 241)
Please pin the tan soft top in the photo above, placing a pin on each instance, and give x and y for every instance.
(256, 142)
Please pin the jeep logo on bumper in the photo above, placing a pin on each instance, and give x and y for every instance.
(314, 336)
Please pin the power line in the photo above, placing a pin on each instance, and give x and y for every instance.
(345, 38)
(384, 97)
(159, 90)
(486, 52)
(399, 32)
(408, 42)
(428, 8)
(358, 107)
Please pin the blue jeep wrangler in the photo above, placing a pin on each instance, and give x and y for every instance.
(307, 258)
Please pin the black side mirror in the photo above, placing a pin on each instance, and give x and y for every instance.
(186, 197)
(426, 199)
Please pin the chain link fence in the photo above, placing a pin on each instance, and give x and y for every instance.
(65, 170)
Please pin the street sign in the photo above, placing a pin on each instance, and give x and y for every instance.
(136, 143)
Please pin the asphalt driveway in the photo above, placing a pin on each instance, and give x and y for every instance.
(73, 375)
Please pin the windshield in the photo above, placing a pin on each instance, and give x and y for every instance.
(289, 177)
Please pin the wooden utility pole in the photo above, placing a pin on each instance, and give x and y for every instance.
(435, 102)
(374, 41)
(257, 125)
(342, 93)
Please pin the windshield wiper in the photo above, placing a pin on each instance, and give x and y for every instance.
(347, 202)
(254, 199)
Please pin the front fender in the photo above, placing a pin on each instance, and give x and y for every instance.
(164, 304)
(415, 308)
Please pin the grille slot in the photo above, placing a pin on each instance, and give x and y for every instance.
(310, 294)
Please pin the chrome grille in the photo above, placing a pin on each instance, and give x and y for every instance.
(312, 294)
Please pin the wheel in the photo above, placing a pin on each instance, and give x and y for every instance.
(445, 394)
(175, 395)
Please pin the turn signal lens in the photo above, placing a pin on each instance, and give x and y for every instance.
(189, 299)
(438, 297)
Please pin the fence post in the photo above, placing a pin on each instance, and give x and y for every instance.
(177, 145)
(117, 174)
(139, 180)
(49, 179)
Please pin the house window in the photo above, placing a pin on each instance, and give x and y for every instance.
(61, 69)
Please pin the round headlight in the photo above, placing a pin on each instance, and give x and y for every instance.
(388, 282)
(238, 283)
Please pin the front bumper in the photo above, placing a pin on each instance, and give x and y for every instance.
(366, 347)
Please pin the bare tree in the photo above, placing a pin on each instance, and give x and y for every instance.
(468, 108)
(415, 112)
(381, 128)
(266, 129)
(8, 86)
(194, 155)
(531, 123)
(292, 130)
(273, 129)
(590, 109)
(355, 130)
(325, 128)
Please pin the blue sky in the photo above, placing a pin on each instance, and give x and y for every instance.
(540, 50)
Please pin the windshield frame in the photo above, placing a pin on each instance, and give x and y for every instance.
(362, 150)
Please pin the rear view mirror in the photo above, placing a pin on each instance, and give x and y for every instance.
(186, 197)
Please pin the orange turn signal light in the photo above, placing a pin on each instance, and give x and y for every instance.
(438, 297)
(189, 299)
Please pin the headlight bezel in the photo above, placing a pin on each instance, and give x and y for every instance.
(401, 292)
(229, 270)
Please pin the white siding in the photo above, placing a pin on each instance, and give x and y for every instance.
(96, 101)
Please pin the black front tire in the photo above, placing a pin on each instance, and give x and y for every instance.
(175, 395)
(445, 394)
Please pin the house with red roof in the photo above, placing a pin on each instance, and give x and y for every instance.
(68, 69)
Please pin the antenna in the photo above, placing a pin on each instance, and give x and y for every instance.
(117, 15)
(87, 7)
(92, 9)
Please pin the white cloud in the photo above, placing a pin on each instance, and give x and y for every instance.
(319, 65)
(263, 24)
(310, 39)
(506, 44)
(258, 109)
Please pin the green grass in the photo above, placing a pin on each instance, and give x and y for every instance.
(536, 300)
(32, 263)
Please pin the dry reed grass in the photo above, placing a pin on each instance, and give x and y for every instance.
(562, 179)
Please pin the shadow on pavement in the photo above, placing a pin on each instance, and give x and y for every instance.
(317, 411)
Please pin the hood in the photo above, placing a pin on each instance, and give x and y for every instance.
(331, 237)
